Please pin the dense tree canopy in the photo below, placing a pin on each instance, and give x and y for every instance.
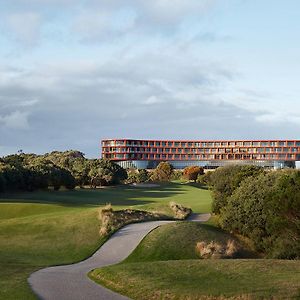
(266, 208)
(226, 179)
(56, 169)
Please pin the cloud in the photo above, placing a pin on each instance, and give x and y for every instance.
(15, 120)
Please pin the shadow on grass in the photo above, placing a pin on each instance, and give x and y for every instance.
(198, 185)
(117, 196)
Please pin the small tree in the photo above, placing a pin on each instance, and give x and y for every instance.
(163, 172)
(191, 173)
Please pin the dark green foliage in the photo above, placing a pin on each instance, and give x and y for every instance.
(137, 176)
(225, 180)
(266, 208)
(205, 178)
(106, 172)
(2, 183)
(163, 172)
(143, 175)
(29, 172)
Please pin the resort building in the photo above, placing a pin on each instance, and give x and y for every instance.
(147, 154)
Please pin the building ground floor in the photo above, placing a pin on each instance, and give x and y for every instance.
(208, 164)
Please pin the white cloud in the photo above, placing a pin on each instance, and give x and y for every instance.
(153, 100)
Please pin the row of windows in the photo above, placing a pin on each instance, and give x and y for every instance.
(202, 156)
(201, 144)
(201, 150)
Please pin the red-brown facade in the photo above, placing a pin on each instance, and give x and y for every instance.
(128, 149)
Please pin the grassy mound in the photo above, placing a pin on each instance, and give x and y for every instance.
(203, 279)
(178, 241)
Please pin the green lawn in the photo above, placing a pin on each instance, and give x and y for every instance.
(165, 266)
(162, 243)
(204, 279)
(49, 228)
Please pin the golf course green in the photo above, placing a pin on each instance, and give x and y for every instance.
(39, 229)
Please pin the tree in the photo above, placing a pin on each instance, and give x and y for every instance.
(162, 172)
(105, 172)
(191, 173)
(225, 180)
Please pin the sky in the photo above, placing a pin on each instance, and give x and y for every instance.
(73, 72)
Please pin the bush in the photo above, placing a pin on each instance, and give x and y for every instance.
(225, 180)
(112, 220)
(180, 212)
(205, 178)
(105, 172)
(266, 209)
(2, 183)
(192, 173)
(217, 250)
(163, 172)
(176, 175)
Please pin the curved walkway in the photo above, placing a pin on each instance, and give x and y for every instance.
(71, 281)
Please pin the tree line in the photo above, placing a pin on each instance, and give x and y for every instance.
(29, 172)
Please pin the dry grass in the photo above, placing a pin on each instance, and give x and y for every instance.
(180, 212)
(217, 250)
(113, 220)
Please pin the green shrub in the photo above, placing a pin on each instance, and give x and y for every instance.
(225, 180)
(266, 208)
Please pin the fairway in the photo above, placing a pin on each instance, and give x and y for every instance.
(49, 228)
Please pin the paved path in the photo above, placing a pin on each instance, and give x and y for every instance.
(71, 281)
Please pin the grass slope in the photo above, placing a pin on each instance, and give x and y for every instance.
(165, 266)
(49, 228)
(203, 279)
(177, 241)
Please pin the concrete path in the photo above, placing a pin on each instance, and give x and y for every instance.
(70, 282)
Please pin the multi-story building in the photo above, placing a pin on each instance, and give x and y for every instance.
(144, 154)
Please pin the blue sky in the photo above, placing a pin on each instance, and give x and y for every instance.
(74, 72)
